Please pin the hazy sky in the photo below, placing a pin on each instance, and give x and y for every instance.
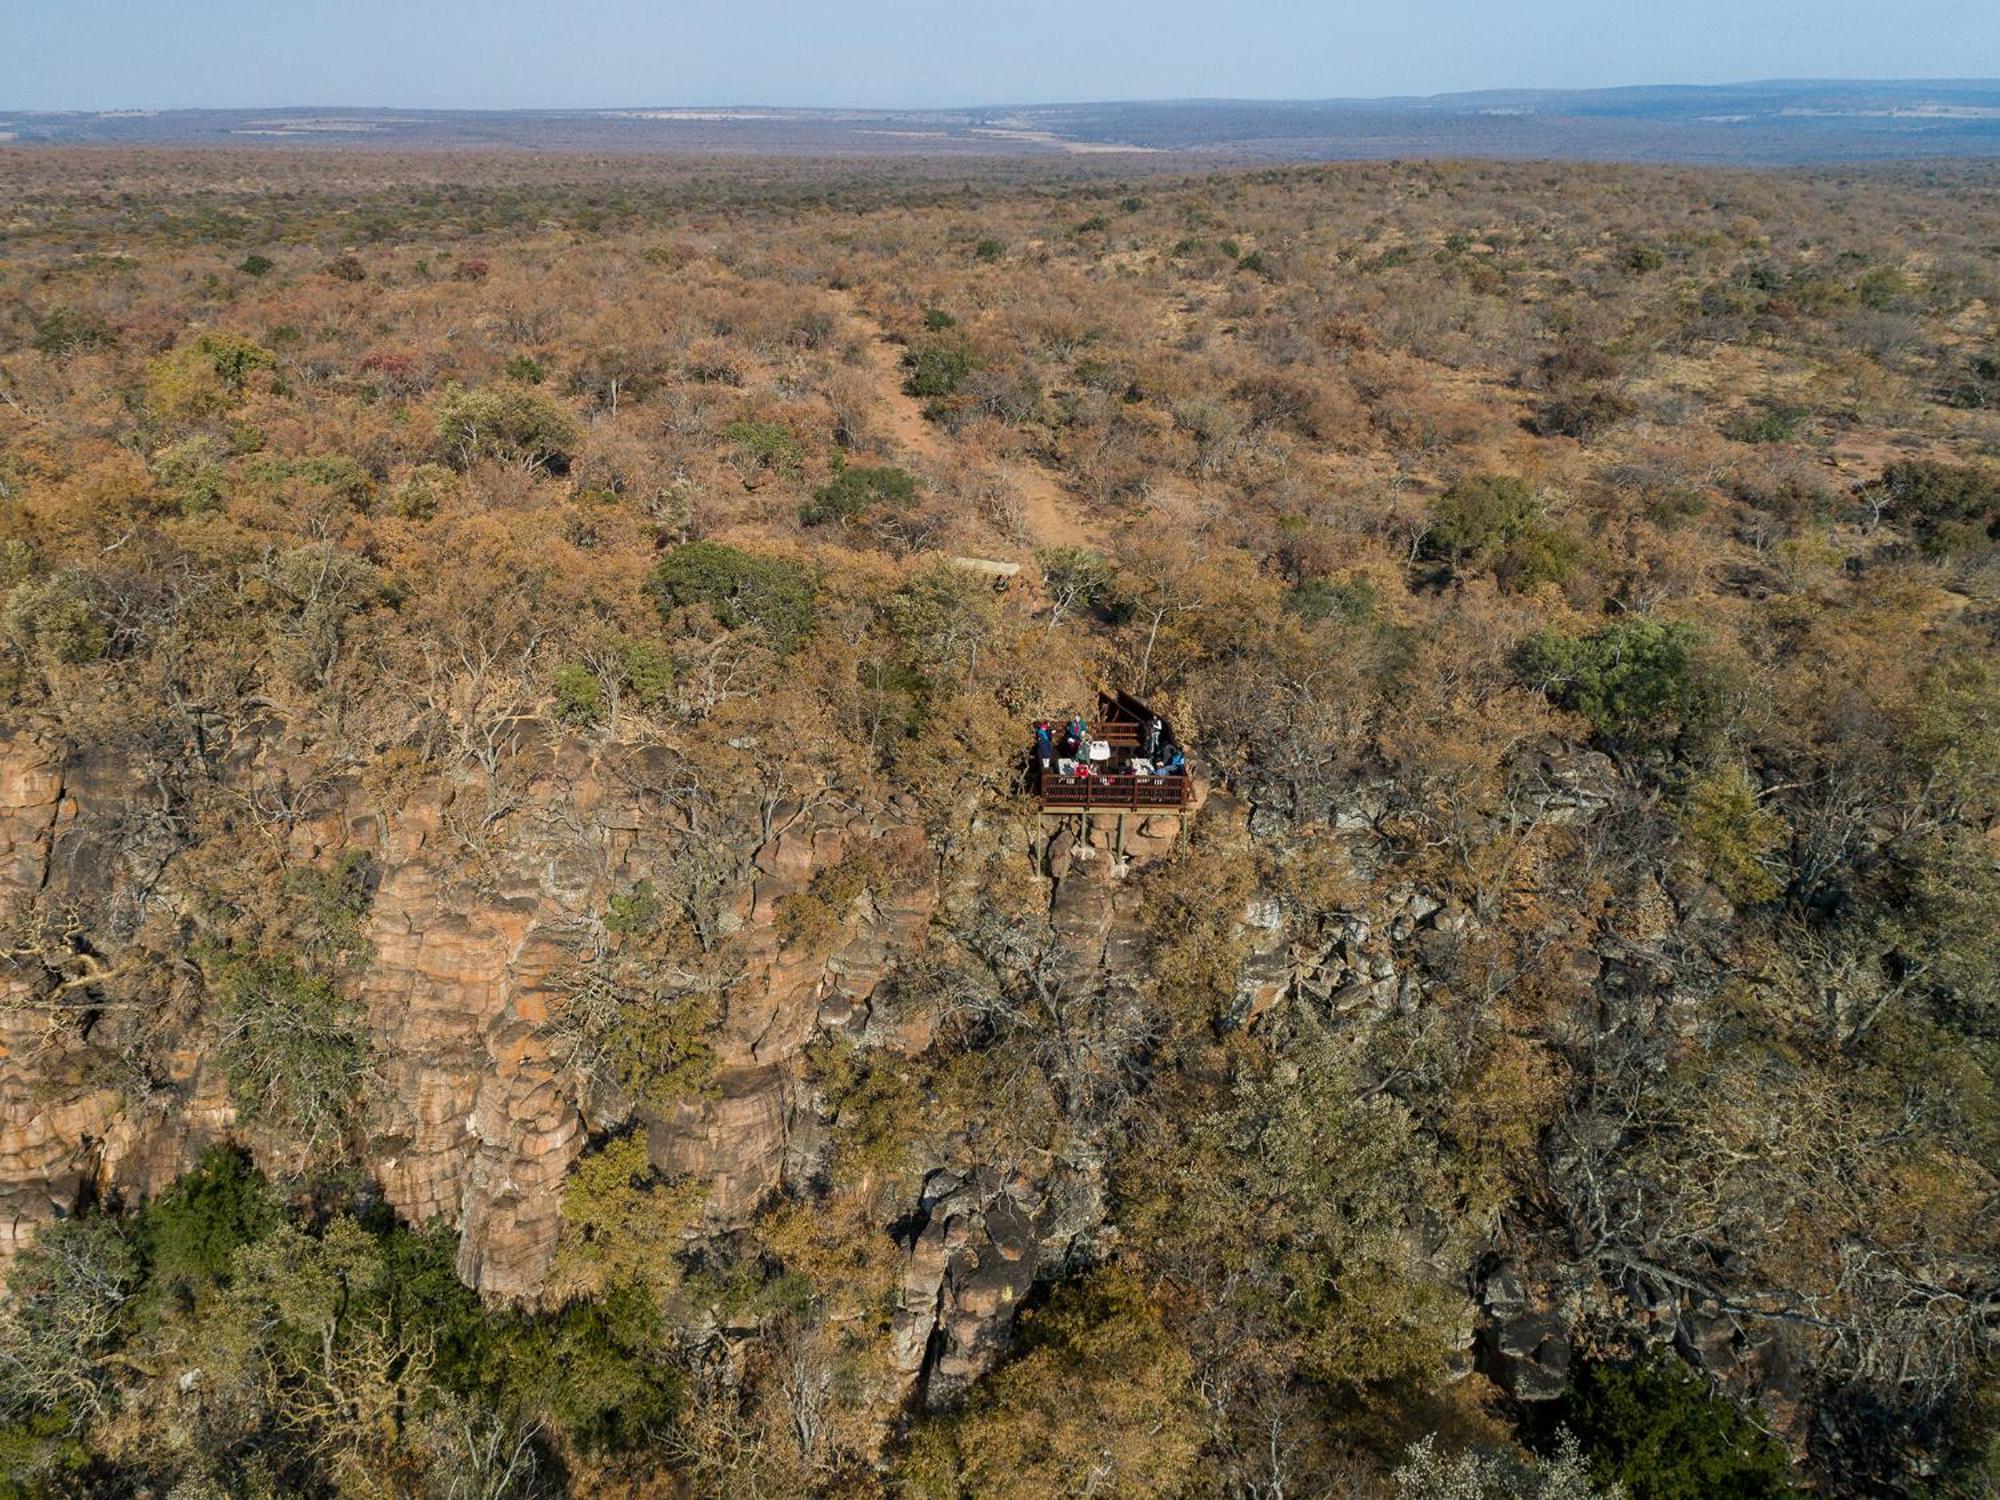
(98, 54)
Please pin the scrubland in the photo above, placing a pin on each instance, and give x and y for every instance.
(1592, 568)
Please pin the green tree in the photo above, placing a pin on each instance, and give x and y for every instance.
(621, 1222)
(1642, 683)
(191, 1231)
(1658, 1430)
(206, 377)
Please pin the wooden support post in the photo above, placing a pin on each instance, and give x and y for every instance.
(1120, 849)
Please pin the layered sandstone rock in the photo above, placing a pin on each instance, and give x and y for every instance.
(469, 1117)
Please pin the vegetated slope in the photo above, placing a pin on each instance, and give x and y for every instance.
(527, 962)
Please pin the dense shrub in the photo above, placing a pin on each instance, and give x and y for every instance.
(937, 367)
(509, 423)
(1766, 424)
(293, 1049)
(1658, 1430)
(1495, 521)
(852, 492)
(64, 331)
(1583, 415)
(740, 588)
(1640, 682)
(1949, 507)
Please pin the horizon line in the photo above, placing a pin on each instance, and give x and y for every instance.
(904, 109)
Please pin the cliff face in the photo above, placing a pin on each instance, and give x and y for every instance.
(477, 922)
(470, 1116)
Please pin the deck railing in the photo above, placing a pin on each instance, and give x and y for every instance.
(1117, 792)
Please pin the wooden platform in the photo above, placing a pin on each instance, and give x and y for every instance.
(1120, 721)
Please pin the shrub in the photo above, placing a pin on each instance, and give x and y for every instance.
(1426, 1474)
(347, 268)
(190, 1232)
(1949, 507)
(1766, 424)
(1640, 258)
(421, 491)
(339, 476)
(643, 667)
(1734, 834)
(293, 1050)
(1074, 578)
(815, 919)
(64, 331)
(1319, 599)
(1101, 1403)
(853, 491)
(1582, 416)
(204, 378)
(1659, 1431)
(1639, 682)
(509, 423)
(256, 265)
(764, 447)
(1495, 521)
(740, 588)
(327, 909)
(937, 367)
(1977, 386)
(988, 250)
(526, 369)
(579, 695)
(190, 474)
(57, 620)
(66, 1295)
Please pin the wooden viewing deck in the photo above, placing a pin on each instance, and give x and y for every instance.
(1120, 722)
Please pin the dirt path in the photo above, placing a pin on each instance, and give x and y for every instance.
(1051, 517)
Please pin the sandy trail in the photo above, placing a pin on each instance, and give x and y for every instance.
(1050, 515)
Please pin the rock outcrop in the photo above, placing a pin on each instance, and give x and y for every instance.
(470, 1117)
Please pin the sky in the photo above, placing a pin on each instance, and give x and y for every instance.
(523, 54)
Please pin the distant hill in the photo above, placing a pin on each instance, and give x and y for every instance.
(1780, 122)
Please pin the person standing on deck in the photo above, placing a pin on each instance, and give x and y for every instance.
(1151, 747)
(1045, 746)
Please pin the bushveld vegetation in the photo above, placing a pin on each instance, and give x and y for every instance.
(1617, 547)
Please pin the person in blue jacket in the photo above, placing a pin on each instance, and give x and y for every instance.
(1045, 745)
(1176, 763)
